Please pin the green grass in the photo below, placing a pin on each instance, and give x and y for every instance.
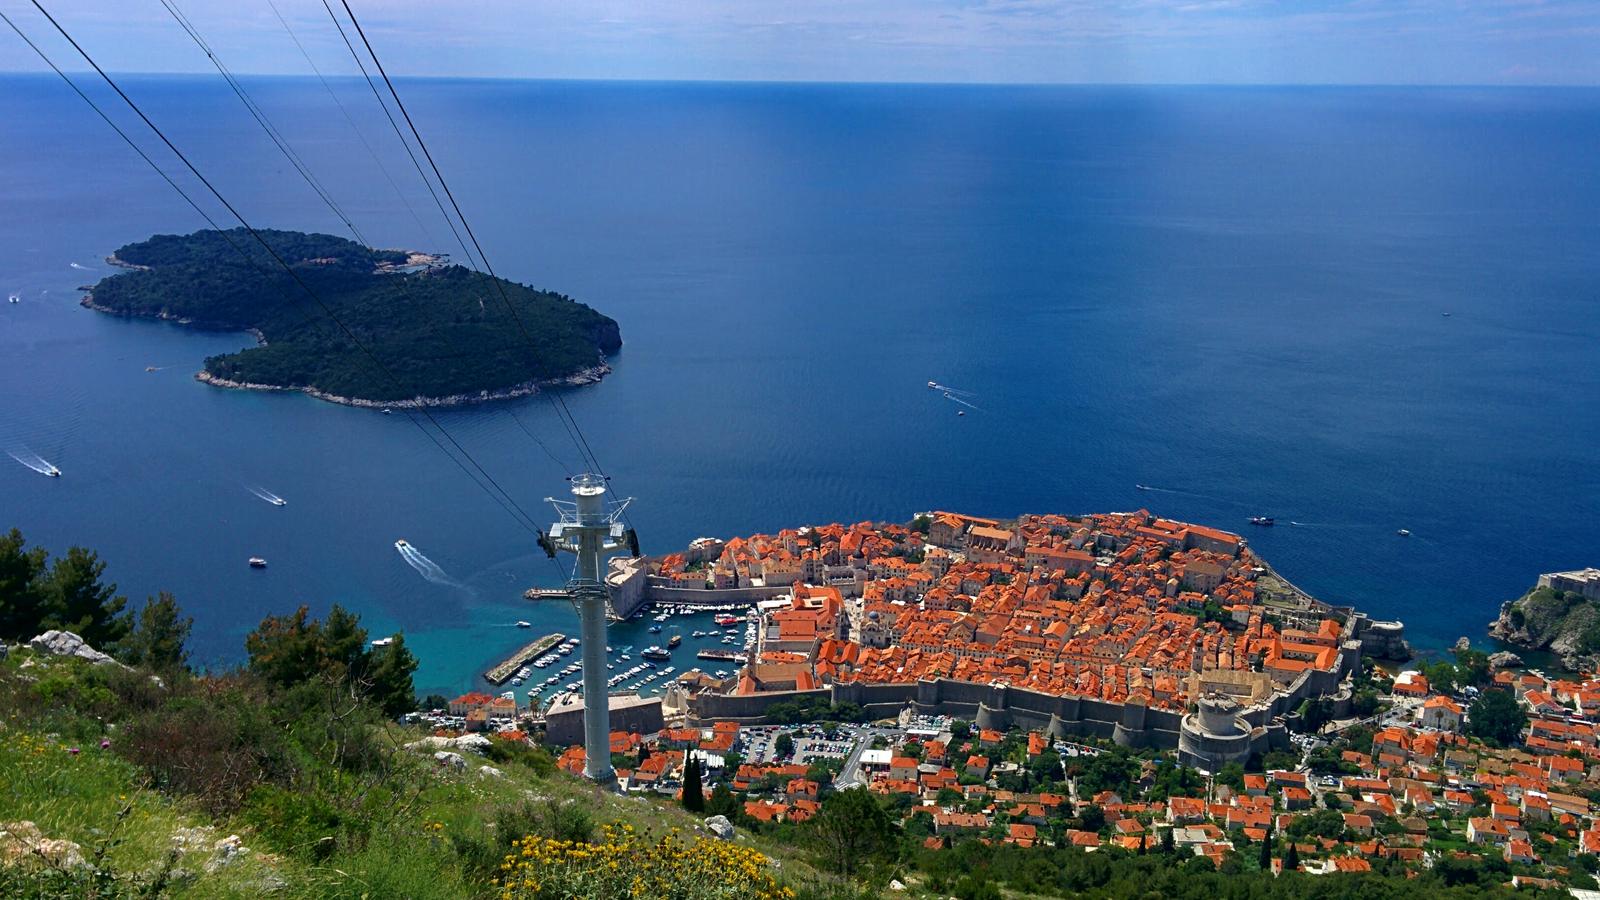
(97, 801)
(437, 836)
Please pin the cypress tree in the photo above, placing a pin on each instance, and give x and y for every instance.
(1266, 850)
(1291, 858)
(694, 798)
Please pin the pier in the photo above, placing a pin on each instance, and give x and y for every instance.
(502, 673)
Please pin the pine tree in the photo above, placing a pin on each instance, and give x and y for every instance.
(388, 679)
(75, 600)
(694, 798)
(159, 632)
(21, 586)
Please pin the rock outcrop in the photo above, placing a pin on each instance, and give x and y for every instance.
(22, 841)
(1561, 622)
(65, 643)
(475, 743)
(721, 827)
(1504, 659)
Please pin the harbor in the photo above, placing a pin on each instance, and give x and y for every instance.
(502, 673)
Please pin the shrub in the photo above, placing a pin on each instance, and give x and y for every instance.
(623, 865)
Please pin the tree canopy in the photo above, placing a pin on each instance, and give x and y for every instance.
(295, 649)
(37, 594)
(1496, 716)
(440, 331)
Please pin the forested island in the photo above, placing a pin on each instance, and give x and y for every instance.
(442, 331)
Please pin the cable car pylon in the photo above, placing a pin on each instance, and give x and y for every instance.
(588, 525)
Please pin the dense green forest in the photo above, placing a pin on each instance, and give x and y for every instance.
(441, 331)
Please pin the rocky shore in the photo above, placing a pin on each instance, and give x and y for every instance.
(1554, 621)
(591, 375)
(526, 389)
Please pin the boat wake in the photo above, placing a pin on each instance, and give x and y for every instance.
(76, 266)
(1184, 493)
(35, 462)
(427, 568)
(951, 396)
(266, 495)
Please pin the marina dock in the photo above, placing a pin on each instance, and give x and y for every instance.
(502, 673)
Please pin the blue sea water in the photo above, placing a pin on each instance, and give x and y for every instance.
(1359, 310)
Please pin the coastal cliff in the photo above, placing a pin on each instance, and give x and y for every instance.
(1561, 622)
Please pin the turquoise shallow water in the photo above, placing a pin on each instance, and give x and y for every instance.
(1237, 296)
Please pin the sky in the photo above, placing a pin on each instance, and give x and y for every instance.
(1027, 41)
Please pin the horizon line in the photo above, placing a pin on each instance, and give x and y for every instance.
(846, 83)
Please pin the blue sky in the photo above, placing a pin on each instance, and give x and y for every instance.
(1119, 41)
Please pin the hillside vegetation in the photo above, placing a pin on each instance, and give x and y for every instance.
(442, 331)
(289, 776)
(1563, 622)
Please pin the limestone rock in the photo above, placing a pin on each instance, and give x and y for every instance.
(65, 643)
(476, 743)
(1504, 659)
(896, 885)
(721, 827)
(1463, 643)
(23, 840)
(188, 840)
(225, 852)
(490, 772)
(450, 760)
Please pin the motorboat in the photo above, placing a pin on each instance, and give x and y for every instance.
(1263, 520)
(523, 623)
(674, 641)
(655, 629)
(278, 501)
(257, 562)
(401, 544)
(1404, 532)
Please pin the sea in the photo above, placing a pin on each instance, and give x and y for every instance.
(1358, 310)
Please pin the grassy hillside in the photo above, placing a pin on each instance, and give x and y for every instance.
(392, 824)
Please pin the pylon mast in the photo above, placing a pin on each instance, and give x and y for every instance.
(588, 527)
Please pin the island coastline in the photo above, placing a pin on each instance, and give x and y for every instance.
(152, 264)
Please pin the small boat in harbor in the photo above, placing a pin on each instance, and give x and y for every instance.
(257, 562)
(655, 629)
(655, 653)
(674, 641)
